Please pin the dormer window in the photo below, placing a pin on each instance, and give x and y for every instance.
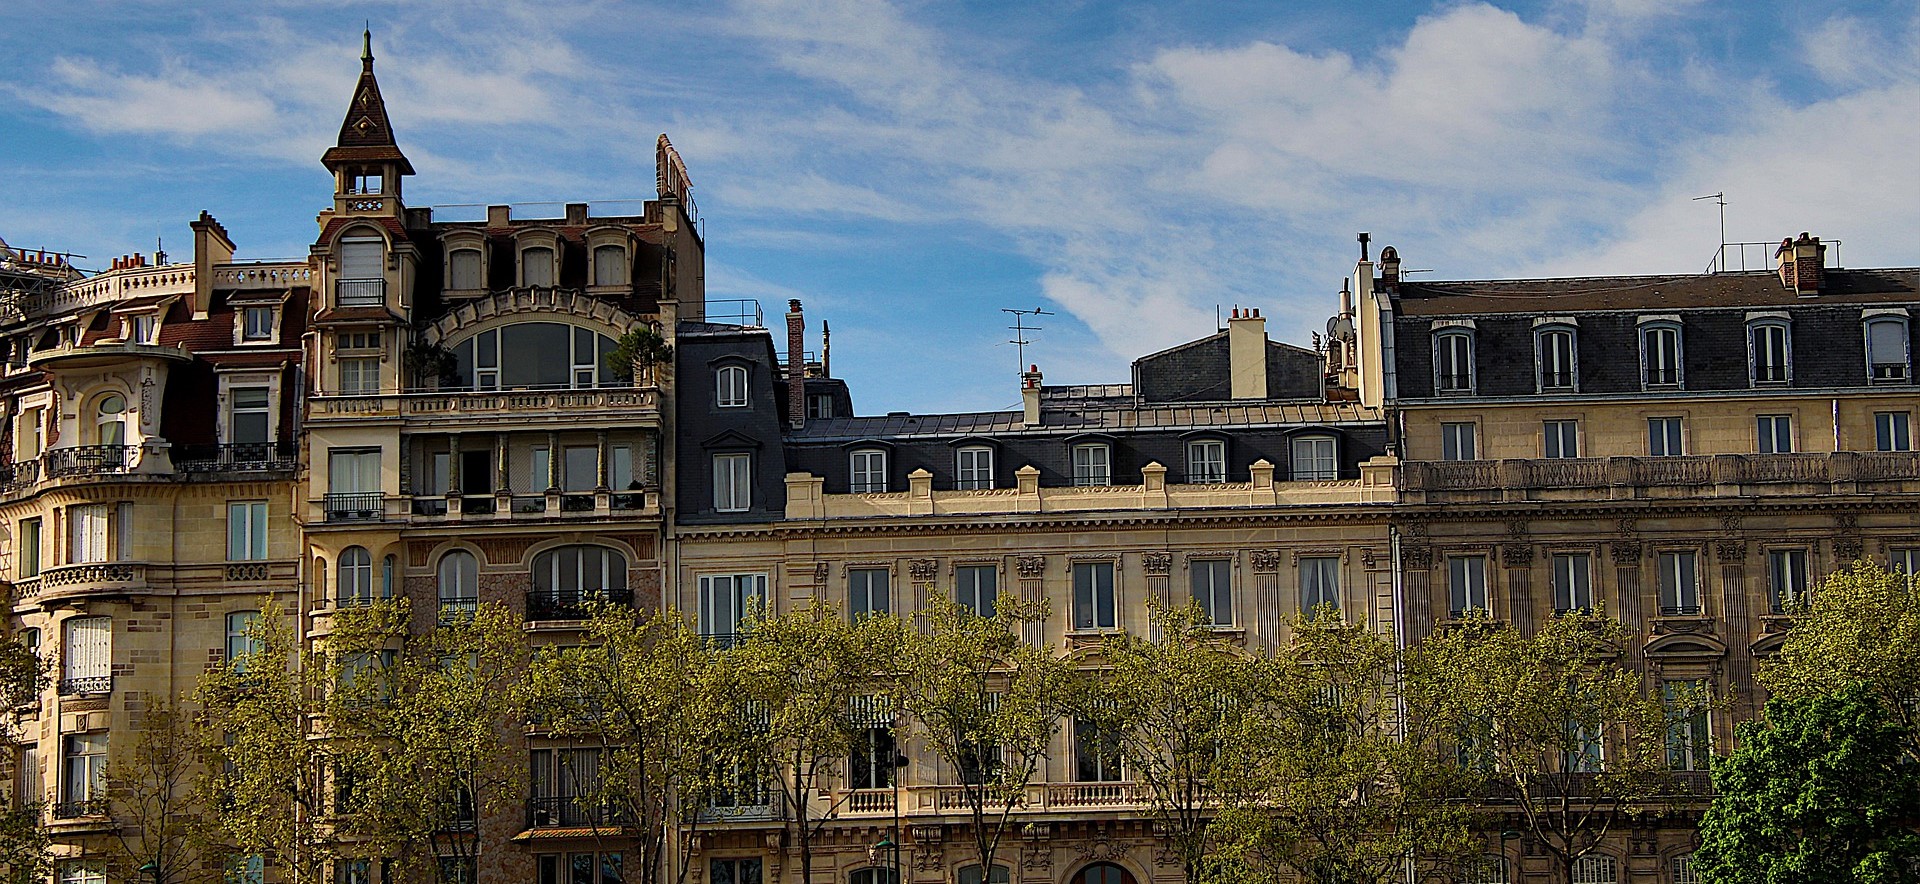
(141, 328)
(1556, 358)
(868, 471)
(1093, 464)
(1206, 461)
(1453, 361)
(463, 270)
(363, 281)
(1888, 353)
(536, 267)
(256, 323)
(610, 266)
(730, 386)
(1316, 459)
(1769, 352)
(1660, 363)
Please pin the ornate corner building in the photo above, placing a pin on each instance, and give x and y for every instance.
(423, 407)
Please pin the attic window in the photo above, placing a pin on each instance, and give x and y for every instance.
(256, 323)
(141, 328)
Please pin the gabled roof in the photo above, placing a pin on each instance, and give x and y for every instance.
(366, 135)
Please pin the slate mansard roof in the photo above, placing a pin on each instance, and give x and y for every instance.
(1748, 289)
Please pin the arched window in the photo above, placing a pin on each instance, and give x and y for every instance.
(1103, 873)
(463, 270)
(536, 355)
(1660, 362)
(536, 267)
(1769, 352)
(110, 419)
(1453, 361)
(1557, 358)
(971, 875)
(1683, 870)
(610, 266)
(874, 875)
(459, 575)
(568, 579)
(353, 577)
(730, 386)
(1887, 349)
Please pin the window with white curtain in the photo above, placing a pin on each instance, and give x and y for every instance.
(536, 267)
(868, 471)
(610, 266)
(732, 482)
(463, 270)
(1887, 349)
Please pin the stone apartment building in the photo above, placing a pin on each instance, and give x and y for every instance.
(422, 407)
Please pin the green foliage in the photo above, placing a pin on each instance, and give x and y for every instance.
(642, 345)
(987, 703)
(24, 858)
(23, 843)
(1861, 627)
(149, 787)
(1334, 787)
(1824, 791)
(652, 695)
(431, 362)
(799, 674)
(1532, 711)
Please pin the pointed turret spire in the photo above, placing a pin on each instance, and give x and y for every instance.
(366, 135)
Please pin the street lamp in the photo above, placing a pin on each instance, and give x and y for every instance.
(152, 869)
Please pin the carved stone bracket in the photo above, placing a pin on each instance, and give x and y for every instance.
(1264, 561)
(1367, 558)
(1030, 566)
(1516, 555)
(1157, 563)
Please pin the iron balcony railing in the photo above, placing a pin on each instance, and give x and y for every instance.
(238, 457)
(73, 810)
(89, 460)
(368, 506)
(360, 293)
(549, 811)
(574, 604)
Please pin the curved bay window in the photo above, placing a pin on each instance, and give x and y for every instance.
(538, 355)
(569, 580)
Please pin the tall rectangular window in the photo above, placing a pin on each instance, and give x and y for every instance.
(1904, 561)
(1467, 584)
(246, 530)
(359, 375)
(1092, 464)
(27, 562)
(1679, 584)
(1786, 579)
(1093, 599)
(1768, 355)
(536, 267)
(248, 415)
(580, 468)
(1666, 437)
(1206, 461)
(1319, 583)
(1453, 362)
(241, 639)
(974, 468)
(869, 591)
(867, 471)
(1212, 584)
(88, 533)
(1773, 433)
(610, 266)
(732, 482)
(1561, 438)
(727, 600)
(86, 655)
(1096, 753)
(1572, 582)
(1585, 750)
(1556, 357)
(1887, 349)
(1457, 442)
(1689, 744)
(84, 775)
(1660, 356)
(977, 588)
(870, 764)
(463, 270)
(1892, 431)
(1315, 459)
(730, 386)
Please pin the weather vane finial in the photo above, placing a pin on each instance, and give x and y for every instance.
(366, 43)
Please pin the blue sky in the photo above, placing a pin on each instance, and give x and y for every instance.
(910, 168)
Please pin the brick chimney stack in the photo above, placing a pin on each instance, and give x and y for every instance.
(796, 365)
(1389, 268)
(1802, 262)
(1247, 354)
(1030, 396)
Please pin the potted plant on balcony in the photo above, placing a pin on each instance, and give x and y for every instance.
(641, 346)
(431, 365)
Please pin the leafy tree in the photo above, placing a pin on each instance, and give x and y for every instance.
(149, 788)
(642, 347)
(1826, 790)
(417, 719)
(652, 697)
(23, 844)
(1861, 626)
(1568, 736)
(800, 676)
(1177, 709)
(987, 703)
(260, 771)
(1346, 774)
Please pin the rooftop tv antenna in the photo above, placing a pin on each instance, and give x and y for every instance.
(1720, 257)
(1020, 329)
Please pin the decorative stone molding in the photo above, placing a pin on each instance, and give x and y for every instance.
(1730, 523)
(1412, 557)
(1730, 552)
(1367, 558)
(922, 570)
(1516, 555)
(1030, 566)
(1625, 552)
(1846, 549)
(1156, 563)
(1629, 526)
(1846, 523)
(1517, 528)
(1264, 561)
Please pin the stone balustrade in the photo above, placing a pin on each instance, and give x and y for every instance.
(1843, 472)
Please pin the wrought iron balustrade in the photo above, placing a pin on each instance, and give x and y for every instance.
(92, 684)
(570, 811)
(360, 293)
(574, 604)
(238, 457)
(367, 506)
(89, 460)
